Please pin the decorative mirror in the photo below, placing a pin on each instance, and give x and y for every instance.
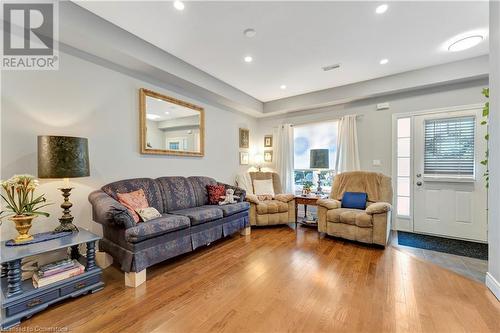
(170, 126)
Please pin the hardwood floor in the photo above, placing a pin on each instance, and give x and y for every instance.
(277, 281)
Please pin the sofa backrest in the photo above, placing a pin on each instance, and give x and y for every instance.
(199, 184)
(178, 193)
(378, 186)
(148, 185)
(267, 175)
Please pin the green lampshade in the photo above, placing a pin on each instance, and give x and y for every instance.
(62, 157)
(319, 159)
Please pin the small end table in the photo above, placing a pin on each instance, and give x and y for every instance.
(306, 201)
(20, 299)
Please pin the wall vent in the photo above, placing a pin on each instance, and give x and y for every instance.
(329, 68)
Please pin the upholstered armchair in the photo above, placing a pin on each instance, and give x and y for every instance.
(279, 209)
(371, 225)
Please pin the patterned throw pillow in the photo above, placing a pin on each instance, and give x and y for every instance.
(147, 214)
(133, 200)
(214, 193)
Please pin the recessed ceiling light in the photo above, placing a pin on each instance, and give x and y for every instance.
(248, 59)
(152, 116)
(249, 32)
(179, 5)
(166, 112)
(465, 43)
(384, 61)
(283, 87)
(381, 9)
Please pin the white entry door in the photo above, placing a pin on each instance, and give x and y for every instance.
(449, 194)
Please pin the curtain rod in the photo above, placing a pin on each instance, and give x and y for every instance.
(358, 116)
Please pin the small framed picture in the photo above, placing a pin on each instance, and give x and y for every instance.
(268, 156)
(244, 138)
(268, 141)
(244, 158)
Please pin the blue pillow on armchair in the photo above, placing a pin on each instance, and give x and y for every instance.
(354, 200)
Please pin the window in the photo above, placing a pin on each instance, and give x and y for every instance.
(403, 166)
(449, 146)
(314, 136)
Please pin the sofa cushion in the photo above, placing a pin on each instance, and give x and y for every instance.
(178, 193)
(232, 209)
(133, 201)
(350, 216)
(272, 207)
(199, 185)
(202, 214)
(149, 186)
(153, 228)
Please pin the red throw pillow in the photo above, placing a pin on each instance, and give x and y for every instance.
(214, 193)
(133, 200)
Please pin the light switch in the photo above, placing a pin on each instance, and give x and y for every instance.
(377, 163)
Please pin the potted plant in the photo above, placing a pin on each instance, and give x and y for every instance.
(22, 206)
(307, 187)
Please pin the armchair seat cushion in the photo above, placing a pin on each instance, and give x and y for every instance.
(202, 214)
(162, 225)
(272, 207)
(350, 216)
(232, 209)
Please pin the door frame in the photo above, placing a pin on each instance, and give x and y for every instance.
(404, 223)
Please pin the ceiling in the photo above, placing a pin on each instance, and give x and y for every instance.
(295, 40)
(159, 110)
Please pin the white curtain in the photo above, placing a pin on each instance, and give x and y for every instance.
(284, 156)
(347, 145)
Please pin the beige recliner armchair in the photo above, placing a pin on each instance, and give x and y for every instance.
(268, 211)
(371, 225)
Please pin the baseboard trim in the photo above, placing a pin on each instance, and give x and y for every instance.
(493, 285)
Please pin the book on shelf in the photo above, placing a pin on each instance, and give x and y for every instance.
(56, 267)
(66, 273)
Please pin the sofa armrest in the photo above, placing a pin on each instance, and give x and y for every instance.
(284, 197)
(378, 208)
(238, 191)
(252, 198)
(108, 211)
(328, 203)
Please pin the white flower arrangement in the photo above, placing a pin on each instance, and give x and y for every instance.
(20, 197)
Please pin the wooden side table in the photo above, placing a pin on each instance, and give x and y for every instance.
(21, 300)
(306, 201)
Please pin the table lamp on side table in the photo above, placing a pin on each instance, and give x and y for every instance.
(63, 157)
(319, 160)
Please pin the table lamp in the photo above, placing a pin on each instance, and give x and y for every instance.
(319, 160)
(63, 157)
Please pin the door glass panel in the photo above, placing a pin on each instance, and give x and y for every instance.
(404, 206)
(404, 128)
(404, 166)
(404, 147)
(403, 186)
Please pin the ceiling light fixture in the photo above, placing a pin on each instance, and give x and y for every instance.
(381, 9)
(248, 59)
(465, 43)
(179, 5)
(283, 87)
(250, 33)
(384, 61)
(166, 112)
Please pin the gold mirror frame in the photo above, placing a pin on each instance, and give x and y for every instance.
(142, 111)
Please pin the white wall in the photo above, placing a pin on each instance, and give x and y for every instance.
(493, 276)
(88, 100)
(375, 127)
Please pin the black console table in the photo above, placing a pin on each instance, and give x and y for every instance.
(21, 300)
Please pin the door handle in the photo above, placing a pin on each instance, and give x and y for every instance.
(419, 183)
(419, 175)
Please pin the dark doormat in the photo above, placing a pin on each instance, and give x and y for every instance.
(446, 245)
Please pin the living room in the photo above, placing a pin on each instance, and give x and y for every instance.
(295, 156)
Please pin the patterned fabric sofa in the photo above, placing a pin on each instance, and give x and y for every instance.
(187, 221)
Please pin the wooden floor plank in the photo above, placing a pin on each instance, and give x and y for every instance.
(277, 280)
